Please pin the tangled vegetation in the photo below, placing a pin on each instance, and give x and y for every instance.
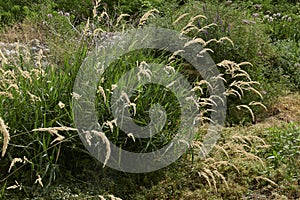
(255, 45)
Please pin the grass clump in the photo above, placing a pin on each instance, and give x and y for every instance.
(41, 95)
(41, 148)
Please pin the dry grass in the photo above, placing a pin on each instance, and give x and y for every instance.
(234, 157)
(211, 173)
(54, 131)
(23, 32)
(179, 18)
(120, 18)
(17, 160)
(90, 134)
(39, 181)
(4, 60)
(241, 80)
(146, 16)
(228, 172)
(285, 109)
(17, 185)
(6, 136)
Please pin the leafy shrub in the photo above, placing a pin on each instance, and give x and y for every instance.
(135, 7)
(282, 22)
(282, 18)
(15, 11)
(83, 9)
(287, 66)
(80, 9)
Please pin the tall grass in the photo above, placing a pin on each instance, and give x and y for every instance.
(36, 104)
(32, 99)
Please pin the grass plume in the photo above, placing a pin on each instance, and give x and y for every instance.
(6, 136)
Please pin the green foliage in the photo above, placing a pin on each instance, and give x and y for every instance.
(284, 150)
(269, 43)
(144, 98)
(15, 11)
(35, 104)
(251, 44)
(271, 46)
(137, 7)
(287, 64)
(282, 18)
(80, 9)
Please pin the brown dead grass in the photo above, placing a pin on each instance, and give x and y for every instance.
(23, 32)
(286, 109)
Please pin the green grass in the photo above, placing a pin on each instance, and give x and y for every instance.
(36, 97)
(248, 162)
(284, 151)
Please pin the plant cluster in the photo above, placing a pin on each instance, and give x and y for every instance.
(255, 58)
(284, 151)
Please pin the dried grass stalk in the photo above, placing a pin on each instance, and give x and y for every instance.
(7, 94)
(96, 5)
(101, 197)
(16, 160)
(54, 131)
(102, 92)
(4, 59)
(146, 16)
(248, 108)
(179, 18)
(206, 178)
(15, 186)
(110, 124)
(266, 179)
(130, 135)
(112, 197)
(39, 180)
(86, 28)
(13, 162)
(107, 143)
(34, 98)
(6, 136)
(121, 17)
(221, 177)
(193, 19)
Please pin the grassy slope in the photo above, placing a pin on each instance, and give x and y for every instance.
(182, 181)
(254, 177)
